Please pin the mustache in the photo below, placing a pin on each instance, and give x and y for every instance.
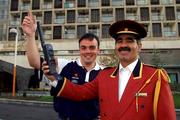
(124, 49)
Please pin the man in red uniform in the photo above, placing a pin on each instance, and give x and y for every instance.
(130, 91)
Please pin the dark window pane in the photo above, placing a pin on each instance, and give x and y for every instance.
(144, 14)
(70, 16)
(179, 29)
(105, 3)
(81, 30)
(81, 3)
(155, 2)
(58, 4)
(35, 4)
(105, 31)
(57, 32)
(14, 5)
(170, 14)
(177, 1)
(12, 36)
(95, 16)
(48, 17)
(129, 2)
(156, 29)
(119, 14)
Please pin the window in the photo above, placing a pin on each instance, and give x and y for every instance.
(173, 77)
(105, 3)
(170, 14)
(179, 29)
(95, 15)
(57, 32)
(14, 5)
(81, 3)
(119, 14)
(105, 31)
(47, 17)
(70, 16)
(58, 4)
(156, 29)
(94, 29)
(35, 4)
(154, 2)
(177, 1)
(81, 30)
(129, 2)
(144, 14)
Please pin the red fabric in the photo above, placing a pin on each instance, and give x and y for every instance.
(106, 87)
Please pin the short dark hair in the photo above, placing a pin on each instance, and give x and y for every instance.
(91, 37)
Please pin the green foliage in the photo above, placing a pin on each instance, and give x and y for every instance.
(177, 100)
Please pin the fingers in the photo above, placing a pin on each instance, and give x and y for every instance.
(32, 17)
(45, 67)
(30, 14)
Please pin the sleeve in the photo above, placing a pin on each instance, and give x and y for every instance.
(165, 108)
(76, 92)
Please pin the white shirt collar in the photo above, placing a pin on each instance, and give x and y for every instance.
(130, 66)
(96, 67)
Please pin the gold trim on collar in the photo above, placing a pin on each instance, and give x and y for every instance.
(114, 72)
(140, 72)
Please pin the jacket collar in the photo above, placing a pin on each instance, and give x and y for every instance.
(137, 72)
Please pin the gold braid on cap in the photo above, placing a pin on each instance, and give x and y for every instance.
(127, 31)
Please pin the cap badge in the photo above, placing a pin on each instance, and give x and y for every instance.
(125, 29)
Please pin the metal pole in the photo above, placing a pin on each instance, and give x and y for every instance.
(13, 30)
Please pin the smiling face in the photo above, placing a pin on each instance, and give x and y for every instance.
(127, 48)
(88, 51)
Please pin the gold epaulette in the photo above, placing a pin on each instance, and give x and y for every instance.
(165, 75)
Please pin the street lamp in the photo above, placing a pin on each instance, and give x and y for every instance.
(13, 30)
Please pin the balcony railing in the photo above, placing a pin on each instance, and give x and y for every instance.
(107, 18)
(95, 31)
(83, 19)
(142, 2)
(15, 23)
(118, 2)
(169, 34)
(70, 35)
(69, 5)
(25, 7)
(167, 2)
(178, 16)
(157, 17)
(132, 17)
(59, 20)
(93, 4)
(47, 6)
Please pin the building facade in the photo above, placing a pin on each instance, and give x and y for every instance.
(64, 21)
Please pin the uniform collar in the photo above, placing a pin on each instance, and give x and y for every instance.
(130, 66)
(137, 71)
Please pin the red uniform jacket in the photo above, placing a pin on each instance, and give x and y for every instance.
(147, 95)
